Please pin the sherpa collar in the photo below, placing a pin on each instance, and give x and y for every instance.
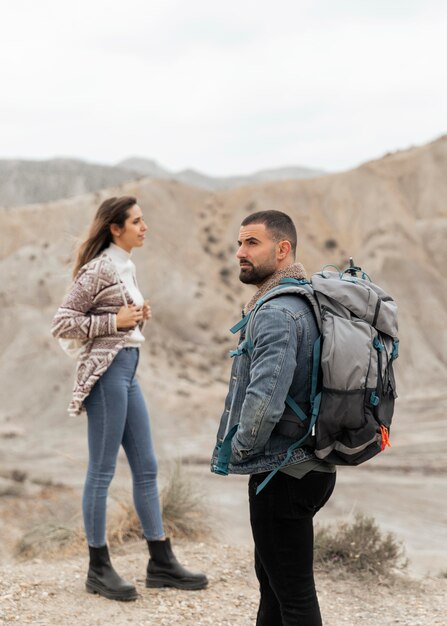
(291, 271)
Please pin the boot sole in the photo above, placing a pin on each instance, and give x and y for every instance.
(91, 587)
(157, 582)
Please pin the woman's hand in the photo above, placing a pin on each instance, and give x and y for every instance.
(128, 317)
(147, 313)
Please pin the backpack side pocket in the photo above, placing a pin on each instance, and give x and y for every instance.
(346, 428)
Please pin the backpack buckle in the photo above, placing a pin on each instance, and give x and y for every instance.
(374, 399)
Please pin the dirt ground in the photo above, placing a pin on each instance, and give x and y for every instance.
(52, 593)
(400, 490)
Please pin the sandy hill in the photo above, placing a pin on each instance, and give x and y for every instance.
(389, 214)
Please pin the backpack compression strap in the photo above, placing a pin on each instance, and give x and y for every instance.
(224, 454)
(295, 445)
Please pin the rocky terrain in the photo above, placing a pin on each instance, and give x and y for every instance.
(52, 592)
(390, 215)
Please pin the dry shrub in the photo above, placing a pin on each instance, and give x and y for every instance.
(330, 244)
(123, 525)
(183, 511)
(50, 540)
(359, 547)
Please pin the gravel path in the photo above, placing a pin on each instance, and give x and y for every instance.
(52, 593)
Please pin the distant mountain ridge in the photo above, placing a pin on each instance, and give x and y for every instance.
(148, 167)
(31, 182)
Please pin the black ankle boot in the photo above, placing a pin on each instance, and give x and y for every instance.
(103, 579)
(163, 569)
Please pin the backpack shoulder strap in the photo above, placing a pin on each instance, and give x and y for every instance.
(300, 288)
(286, 286)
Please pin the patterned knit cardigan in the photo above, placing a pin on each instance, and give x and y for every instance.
(88, 312)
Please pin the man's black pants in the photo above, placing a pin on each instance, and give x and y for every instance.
(282, 523)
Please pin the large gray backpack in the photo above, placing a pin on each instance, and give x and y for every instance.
(353, 386)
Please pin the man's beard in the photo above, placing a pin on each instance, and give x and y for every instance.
(256, 275)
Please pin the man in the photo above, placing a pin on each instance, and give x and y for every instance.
(272, 363)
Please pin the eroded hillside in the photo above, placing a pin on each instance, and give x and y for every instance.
(389, 214)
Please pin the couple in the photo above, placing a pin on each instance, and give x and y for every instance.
(105, 309)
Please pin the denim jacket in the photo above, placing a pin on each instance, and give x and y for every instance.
(279, 363)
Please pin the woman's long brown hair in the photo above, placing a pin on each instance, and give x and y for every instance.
(111, 211)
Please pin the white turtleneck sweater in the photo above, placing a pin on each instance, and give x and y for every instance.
(125, 268)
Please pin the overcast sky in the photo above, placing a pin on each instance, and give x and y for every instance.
(224, 87)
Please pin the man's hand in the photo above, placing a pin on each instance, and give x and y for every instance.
(128, 317)
(147, 313)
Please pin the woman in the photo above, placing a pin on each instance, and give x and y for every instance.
(104, 313)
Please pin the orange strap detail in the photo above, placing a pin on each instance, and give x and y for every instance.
(385, 437)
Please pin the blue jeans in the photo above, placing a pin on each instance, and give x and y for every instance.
(117, 415)
(281, 518)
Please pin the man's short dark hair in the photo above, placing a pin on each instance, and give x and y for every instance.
(278, 223)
